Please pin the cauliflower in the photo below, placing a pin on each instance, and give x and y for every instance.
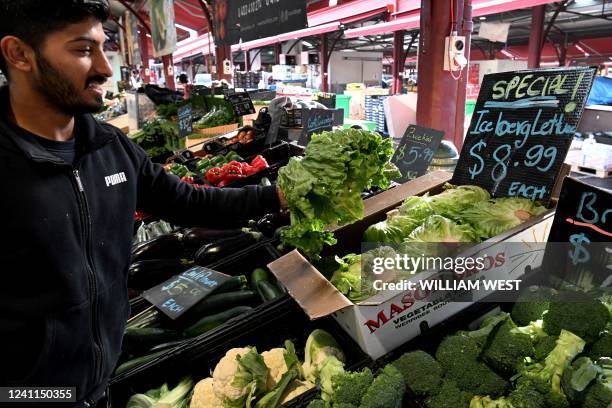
(275, 361)
(240, 376)
(295, 389)
(204, 395)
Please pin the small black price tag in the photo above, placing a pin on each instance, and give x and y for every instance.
(181, 292)
(583, 222)
(521, 130)
(185, 121)
(242, 103)
(315, 121)
(415, 151)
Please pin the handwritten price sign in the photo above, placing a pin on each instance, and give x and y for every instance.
(583, 220)
(415, 151)
(185, 120)
(521, 130)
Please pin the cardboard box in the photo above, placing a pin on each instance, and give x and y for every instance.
(390, 318)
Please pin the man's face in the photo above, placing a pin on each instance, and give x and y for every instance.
(71, 67)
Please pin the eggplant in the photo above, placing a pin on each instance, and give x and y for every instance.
(210, 253)
(150, 272)
(163, 246)
(194, 238)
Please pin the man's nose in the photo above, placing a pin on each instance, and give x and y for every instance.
(102, 65)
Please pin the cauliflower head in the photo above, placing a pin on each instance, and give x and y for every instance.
(275, 361)
(204, 395)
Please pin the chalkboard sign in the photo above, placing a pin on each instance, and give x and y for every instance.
(326, 99)
(583, 222)
(181, 292)
(200, 90)
(242, 103)
(415, 151)
(521, 130)
(315, 121)
(185, 120)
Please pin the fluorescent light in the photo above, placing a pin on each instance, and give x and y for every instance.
(507, 54)
(149, 35)
(349, 50)
(582, 50)
(306, 43)
(482, 18)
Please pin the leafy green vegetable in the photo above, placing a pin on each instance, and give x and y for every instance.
(175, 398)
(441, 229)
(491, 218)
(347, 278)
(324, 188)
(217, 116)
(159, 136)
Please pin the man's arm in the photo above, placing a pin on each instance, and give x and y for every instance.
(166, 196)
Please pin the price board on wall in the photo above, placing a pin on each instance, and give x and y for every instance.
(415, 151)
(580, 240)
(183, 291)
(241, 102)
(521, 130)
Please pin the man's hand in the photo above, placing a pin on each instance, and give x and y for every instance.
(281, 198)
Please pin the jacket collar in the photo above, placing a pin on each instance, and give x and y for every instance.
(89, 134)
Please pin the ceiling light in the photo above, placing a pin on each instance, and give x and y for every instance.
(482, 18)
(306, 43)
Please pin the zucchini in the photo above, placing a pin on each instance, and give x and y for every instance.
(267, 290)
(166, 346)
(234, 283)
(194, 238)
(210, 253)
(222, 301)
(147, 337)
(257, 276)
(210, 322)
(128, 365)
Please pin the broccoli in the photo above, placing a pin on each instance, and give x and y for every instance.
(507, 349)
(458, 354)
(487, 402)
(546, 377)
(345, 405)
(543, 346)
(422, 373)
(349, 387)
(531, 304)
(602, 347)
(598, 396)
(386, 390)
(526, 396)
(323, 359)
(450, 396)
(578, 313)
(317, 403)
(577, 377)
(489, 324)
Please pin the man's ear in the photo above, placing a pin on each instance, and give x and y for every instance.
(18, 54)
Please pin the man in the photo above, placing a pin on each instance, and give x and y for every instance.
(69, 191)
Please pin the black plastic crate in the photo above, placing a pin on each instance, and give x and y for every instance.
(265, 329)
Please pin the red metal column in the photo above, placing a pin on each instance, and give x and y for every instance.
(223, 53)
(465, 29)
(143, 43)
(324, 49)
(277, 52)
(247, 60)
(169, 73)
(437, 90)
(535, 37)
(396, 68)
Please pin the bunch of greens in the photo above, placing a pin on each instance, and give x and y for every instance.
(159, 136)
(324, 188)
(217, 116)
(178, 397)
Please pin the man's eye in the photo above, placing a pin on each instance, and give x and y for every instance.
(85, 51)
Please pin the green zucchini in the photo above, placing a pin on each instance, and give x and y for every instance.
(128, 365)
(210, 322)
(238, 282)
(222, 301)
(258, 275)
(147, 337)
(267, 290)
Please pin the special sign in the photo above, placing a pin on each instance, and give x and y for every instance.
(521, 130)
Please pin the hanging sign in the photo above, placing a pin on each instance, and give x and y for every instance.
(521, 130)
(583, 222)
(241, 102)
(181, 292)
(415, 151)
(265, 18)
(163, 30)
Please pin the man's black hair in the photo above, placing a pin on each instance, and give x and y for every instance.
(33, 20)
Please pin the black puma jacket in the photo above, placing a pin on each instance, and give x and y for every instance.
(67, 239)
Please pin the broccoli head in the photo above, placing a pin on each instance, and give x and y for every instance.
(543, 346)
(578, 313)
(507, 349)
(546, 377)
(602, 347)
(577, 377)
(526, 396)
(422, 373)
(349, 387)
(488, 402)
(317, 403)
(598, 395)
(450, 396)
(458, 355)
(531, 304)
(386, 391)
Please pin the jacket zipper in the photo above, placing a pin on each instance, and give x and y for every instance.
(86, 222)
